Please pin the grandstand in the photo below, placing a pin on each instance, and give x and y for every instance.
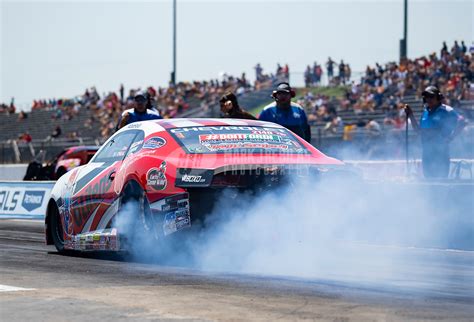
(90, 119)
(40, 125)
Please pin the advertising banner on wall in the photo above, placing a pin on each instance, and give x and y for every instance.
(23, 199)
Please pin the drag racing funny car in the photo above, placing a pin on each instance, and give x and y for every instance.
(170, 172)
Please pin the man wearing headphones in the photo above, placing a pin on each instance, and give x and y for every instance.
(286, 113)
(140, 111)
(439, 125)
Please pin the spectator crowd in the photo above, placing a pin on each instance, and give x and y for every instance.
(313, 74)
(381, 88)
(170, 102)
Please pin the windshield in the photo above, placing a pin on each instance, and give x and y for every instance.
(237, 139)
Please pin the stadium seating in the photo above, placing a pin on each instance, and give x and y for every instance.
(40, 125)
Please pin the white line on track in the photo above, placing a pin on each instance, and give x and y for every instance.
(27, 220)
(7, 288)
(429, 249)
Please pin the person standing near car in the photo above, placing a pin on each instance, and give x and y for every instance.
(286, 113)
(139, 112)
(230, 108)
(439, 125)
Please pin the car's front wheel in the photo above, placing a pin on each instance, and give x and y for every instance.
(57, 231)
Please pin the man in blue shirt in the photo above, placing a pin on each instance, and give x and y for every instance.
(140, 112)
(286, 113)
(439, 125)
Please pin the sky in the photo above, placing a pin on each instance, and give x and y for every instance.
(60, 48)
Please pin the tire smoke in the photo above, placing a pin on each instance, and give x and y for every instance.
(331, 229)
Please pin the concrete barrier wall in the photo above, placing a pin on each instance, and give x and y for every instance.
(24, 199)
(12, 171)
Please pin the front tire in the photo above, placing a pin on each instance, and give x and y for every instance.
(57, 232)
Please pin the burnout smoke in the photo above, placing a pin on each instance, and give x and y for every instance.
(324, 229)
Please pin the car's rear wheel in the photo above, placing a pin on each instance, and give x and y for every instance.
(134, 222)
(57, 232)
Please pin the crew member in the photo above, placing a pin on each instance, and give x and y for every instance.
(139, 112)
(439, 125)
(286, 113)
(230, 108)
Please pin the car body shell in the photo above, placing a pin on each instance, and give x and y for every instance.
(74, 157)
(88, 197)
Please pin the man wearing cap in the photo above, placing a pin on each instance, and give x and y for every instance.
(439, 125)
(139, 112)
(286, 113)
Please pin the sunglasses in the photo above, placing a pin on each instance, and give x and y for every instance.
(140, 99)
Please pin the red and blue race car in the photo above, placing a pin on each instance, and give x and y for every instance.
(170, 172)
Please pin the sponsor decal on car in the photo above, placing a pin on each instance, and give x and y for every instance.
(135, 147)
(175, 221)
(269, 132)
(134, 126)
(192, 178)
(183, 203)
(245, 145)
(174, 202)
(183, 223)
(219, 128)
(233, 137)
(100, 186)
(174, 211)
(156, 178)
(241, 139)
(154, 143)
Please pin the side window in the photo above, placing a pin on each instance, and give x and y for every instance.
(116, 148)
(72, 156)
(136, 144)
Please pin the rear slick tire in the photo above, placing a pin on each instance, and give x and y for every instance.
(135, 222)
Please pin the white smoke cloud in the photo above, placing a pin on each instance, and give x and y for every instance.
(332, 230)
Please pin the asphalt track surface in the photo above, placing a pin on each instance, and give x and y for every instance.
(38, 284)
